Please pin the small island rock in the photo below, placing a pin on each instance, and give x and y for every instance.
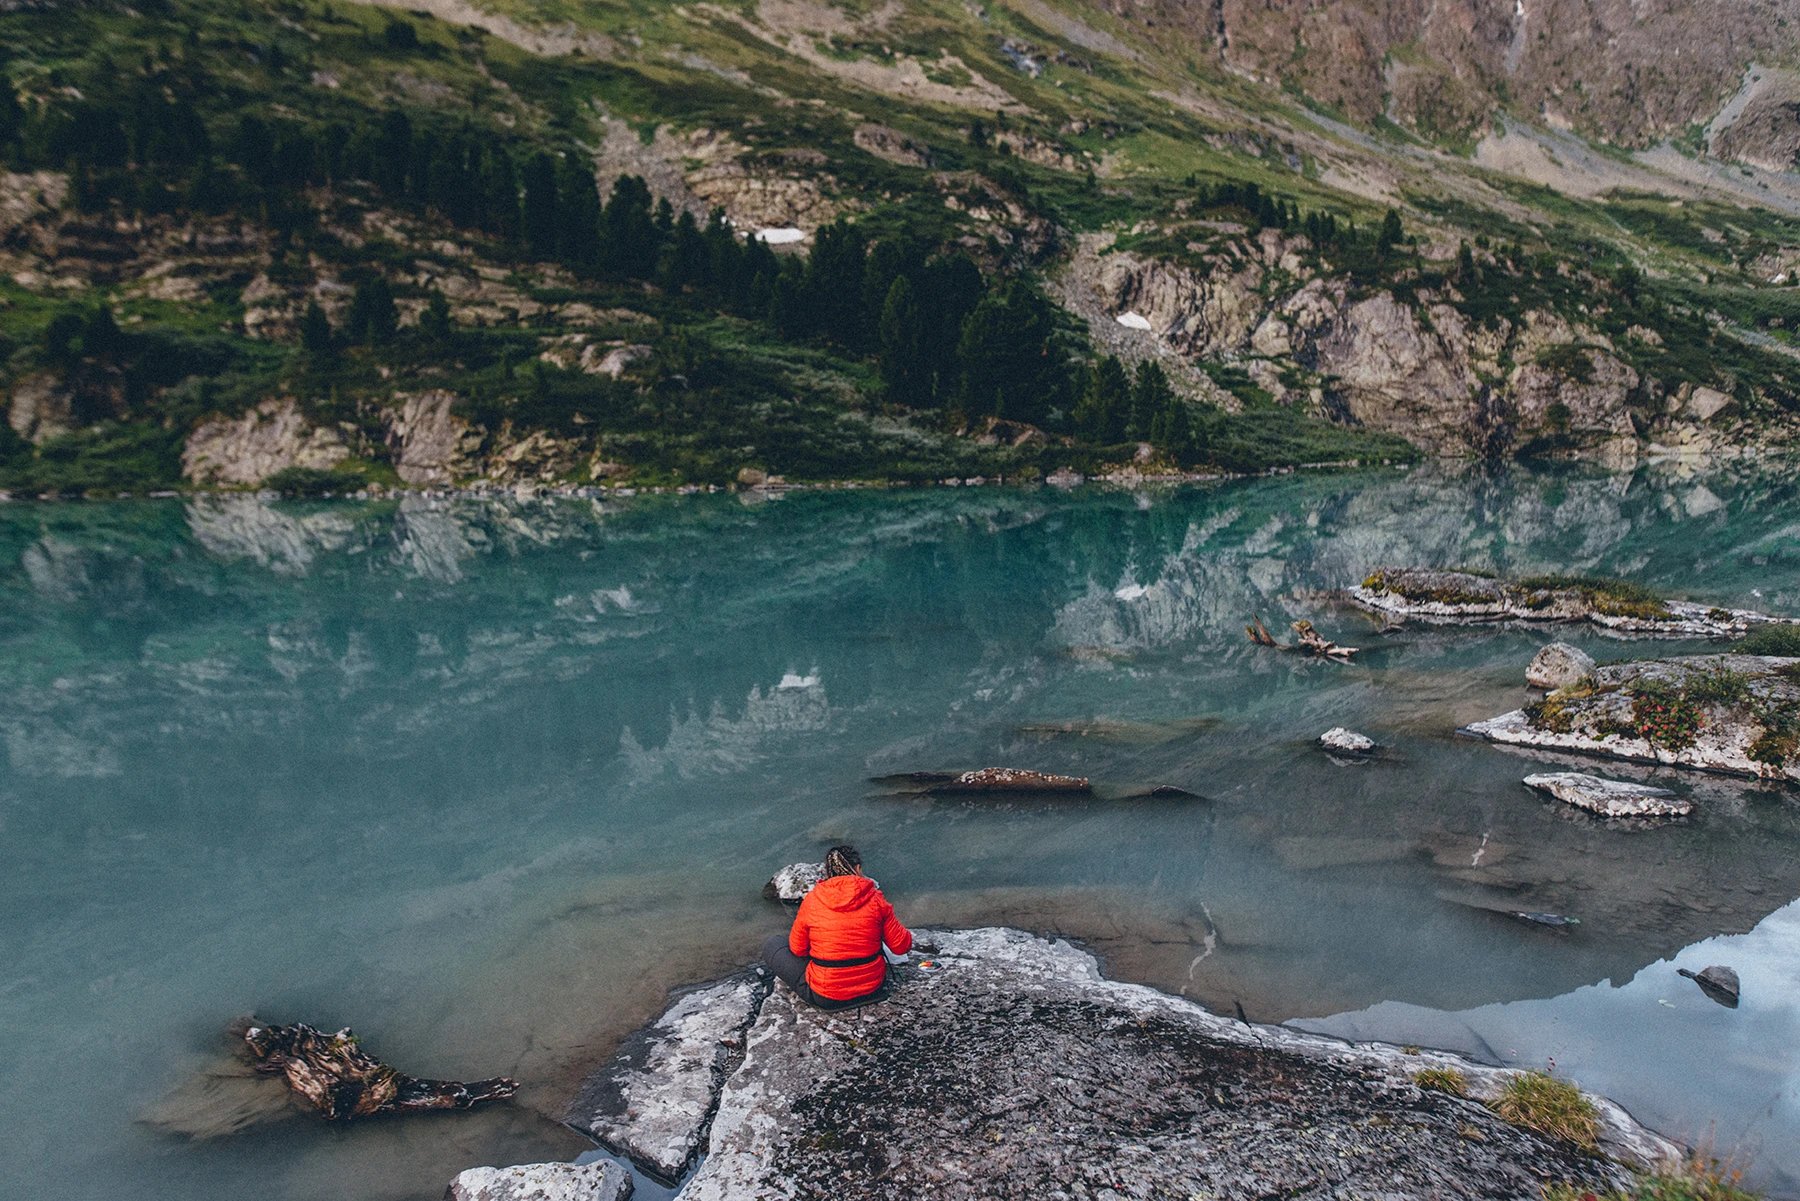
(1346, 742)
(1559, 665)
(600, 1181)
(1610, 798)
(1718, 982)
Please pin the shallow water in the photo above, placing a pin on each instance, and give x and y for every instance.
(484, 779)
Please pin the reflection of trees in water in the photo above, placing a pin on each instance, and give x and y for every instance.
(217, 605)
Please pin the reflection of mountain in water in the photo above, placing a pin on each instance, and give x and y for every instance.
(1746, 1061)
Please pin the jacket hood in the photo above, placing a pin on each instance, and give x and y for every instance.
(844, 893)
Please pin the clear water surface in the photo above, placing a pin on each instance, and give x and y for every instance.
(484, 779)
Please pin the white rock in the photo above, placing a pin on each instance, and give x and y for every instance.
(1346, 742)
(791, 884)
(1558, 665)
(600, 1181)
(1609, 798)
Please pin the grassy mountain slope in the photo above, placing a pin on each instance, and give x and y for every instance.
(207, 173)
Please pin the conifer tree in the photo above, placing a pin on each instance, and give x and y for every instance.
(904, 366)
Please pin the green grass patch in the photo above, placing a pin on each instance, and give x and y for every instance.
(1540, 1102)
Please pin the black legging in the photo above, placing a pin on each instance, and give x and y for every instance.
(791, 969)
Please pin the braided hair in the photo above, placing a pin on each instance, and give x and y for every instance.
(842, 861)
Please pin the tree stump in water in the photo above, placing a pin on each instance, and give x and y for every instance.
(343, 1081)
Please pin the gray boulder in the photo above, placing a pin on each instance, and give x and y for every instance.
(791, 884)
(1610, 798)
(599, 1181)
(1718, 982)
(1559, 665)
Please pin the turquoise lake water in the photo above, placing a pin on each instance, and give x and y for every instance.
(484, 779)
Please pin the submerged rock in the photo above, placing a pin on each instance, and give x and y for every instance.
(791, 884)
(1341, 741)
(1609, 798)
(1006, 1066)
(989, 779)
(1559, 665)
(1718, 982)
(543, 1182)
(653, 1102)
(1462, 596)
(1738, 714)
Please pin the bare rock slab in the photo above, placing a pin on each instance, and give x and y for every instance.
(1610, 798)
(653, 1101)
(1558, 666)
(542, 1182)
(1005, 1065)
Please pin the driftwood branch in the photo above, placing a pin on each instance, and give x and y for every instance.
(343, 1081)
(1310, 641)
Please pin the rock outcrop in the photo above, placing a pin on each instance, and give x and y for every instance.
(246, 450)
(543, 1182)
(1609, 798)
(1558, 665)
(430, 443)
(1738, 714)
(1617, 607)
(1006, 1065)
(1341, 741)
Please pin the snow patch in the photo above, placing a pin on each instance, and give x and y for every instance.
(781, 235)
(1133, 321)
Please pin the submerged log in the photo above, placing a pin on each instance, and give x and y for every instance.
(342, 1081)
(1310, 641)
(1011, 779)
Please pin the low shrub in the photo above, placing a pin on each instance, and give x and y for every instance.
(1782, 638)
(1666, 716)
(1696, 1180)
(1540, 1102)
(1615, 598)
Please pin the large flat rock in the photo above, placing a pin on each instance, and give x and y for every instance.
(1009, 1067)
(653, 1101)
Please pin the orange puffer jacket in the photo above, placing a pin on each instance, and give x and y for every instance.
(843, 921)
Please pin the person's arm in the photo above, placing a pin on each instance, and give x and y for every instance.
(799, 935)
(898, 938)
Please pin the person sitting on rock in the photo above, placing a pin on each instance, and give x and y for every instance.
(833, 955)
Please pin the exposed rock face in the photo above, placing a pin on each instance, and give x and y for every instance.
(1010, 1067)
(791, 884)
(1558, 665)
(249, 449)
(543, 1182)
(431, 444)
(1460, 596)
(1609, 798)
(1725, 713)
(40, 408)
(653, 1102)
(1011, 779)
(1444, 67)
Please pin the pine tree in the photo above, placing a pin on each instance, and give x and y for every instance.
(315, 329)
(373, 318)
(1151, 394)
(1100, 413)
(1008, 364)
(537, 206)
(435, 322)
(1391, 234)
(904, 367)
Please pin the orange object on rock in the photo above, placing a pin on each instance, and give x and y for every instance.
(840, 928)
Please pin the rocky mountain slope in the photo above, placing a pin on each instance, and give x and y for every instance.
(1490, 229)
